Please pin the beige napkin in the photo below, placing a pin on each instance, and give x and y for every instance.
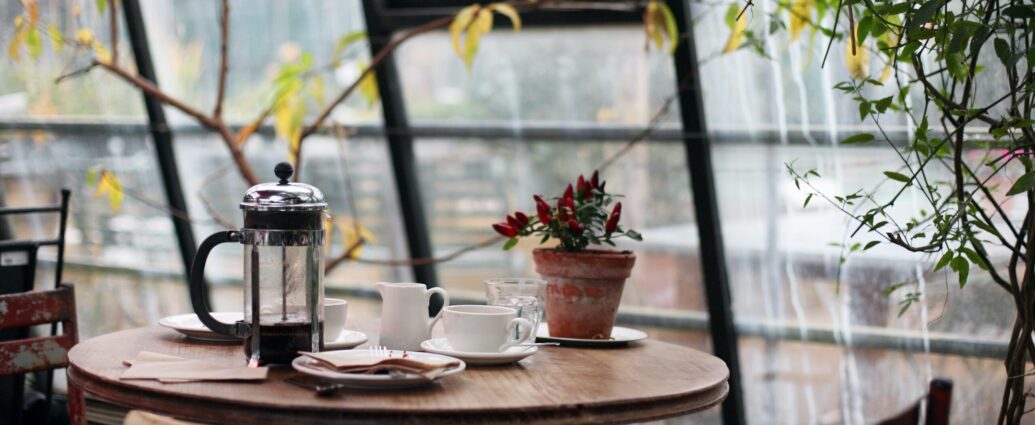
(169, 369)
(373, 363)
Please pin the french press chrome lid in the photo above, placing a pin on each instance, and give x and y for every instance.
(283, 196)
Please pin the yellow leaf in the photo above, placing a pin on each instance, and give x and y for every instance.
(368, 87)
(885, 73)
(801, 13)
(352, 233)
(248, 130)
(460, 24)
(328, 228)
(508, 11)
(650, 25)
(101, 53)
(672, 30)
(287, 121)
(84, 36)
(482, 23)
(14, 46)
(858, 63)
(57, 40)
(737, 29)
(33, 10)
(108, 184)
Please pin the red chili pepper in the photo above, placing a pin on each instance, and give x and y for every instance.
(542, 209)
(569, 192)
(514, 223)
(562, 210)
(574, 226)
(583, 188)
(594, 181)
(505, 229)
(612, 221)
(522, 219)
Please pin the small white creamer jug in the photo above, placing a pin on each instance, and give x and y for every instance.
(404, 314)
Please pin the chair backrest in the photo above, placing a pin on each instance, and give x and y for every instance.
(939, 402)
(36, 308)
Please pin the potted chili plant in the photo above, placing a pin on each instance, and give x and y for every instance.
(584, 278)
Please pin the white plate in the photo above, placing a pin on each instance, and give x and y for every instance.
(190, 325)
(375, 381)
(619, 336)
(346, 340)
(513, 354)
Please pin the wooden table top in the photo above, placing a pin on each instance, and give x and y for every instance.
(645, 381)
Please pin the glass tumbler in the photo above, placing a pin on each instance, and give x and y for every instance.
(526, 295)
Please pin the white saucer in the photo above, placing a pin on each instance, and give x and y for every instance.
(191, 326)
(305, 365)
(513, 354)
(619, 336)
(346, 340)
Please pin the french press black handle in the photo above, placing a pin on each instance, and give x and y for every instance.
(198, 291)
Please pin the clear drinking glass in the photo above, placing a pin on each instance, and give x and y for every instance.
(526, 295)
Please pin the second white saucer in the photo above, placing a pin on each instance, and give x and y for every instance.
(513, 354)
(346, 340)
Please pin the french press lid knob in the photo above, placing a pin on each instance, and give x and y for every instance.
(283, 171)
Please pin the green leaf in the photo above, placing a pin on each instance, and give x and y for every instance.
(1020, 11)
(1002, 50)
(510, 244)
(974, 258)
(807, 199)
(897, 176)
(944, 261)
(962, 268)
(924, 13)
(1023, 184)
(983, 226)
(978, 40)
(892, 288)
(864, 109)
(858, 138)
(863, 28)
(34, 43)
(634, 235)
(344, 42)
(959, 39)
(101, 5)
(871, 244)
(91, 176)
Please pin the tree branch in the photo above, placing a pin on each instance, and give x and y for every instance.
(113, 23)
(224, 28)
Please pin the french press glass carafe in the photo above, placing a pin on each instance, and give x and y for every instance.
(283, 271)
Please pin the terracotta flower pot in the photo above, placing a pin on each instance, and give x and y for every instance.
(583, 290)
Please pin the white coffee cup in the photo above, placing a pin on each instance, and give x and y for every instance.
(483, 328)
(334, 312)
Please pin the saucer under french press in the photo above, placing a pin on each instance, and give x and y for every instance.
(283, 271)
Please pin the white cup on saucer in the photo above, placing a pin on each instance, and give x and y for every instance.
(334, 312)
(483, 328)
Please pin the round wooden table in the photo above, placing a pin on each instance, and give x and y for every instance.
(645, 381)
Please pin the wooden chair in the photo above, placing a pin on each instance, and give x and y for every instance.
(939, 402)
(41, 353)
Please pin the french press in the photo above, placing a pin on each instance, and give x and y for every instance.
(283, 271)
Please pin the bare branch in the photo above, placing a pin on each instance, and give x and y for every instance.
(224, 27)
(113, 23)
